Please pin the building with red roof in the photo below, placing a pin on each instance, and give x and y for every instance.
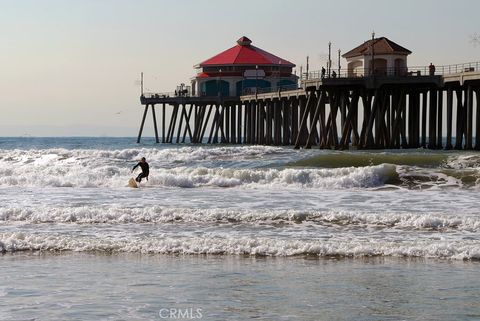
(388, 58)
(242, 69)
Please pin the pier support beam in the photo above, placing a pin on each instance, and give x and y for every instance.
(163, 123)
(424, 119)
(155, 124)
(460, 119)
(440, 119)
(469, 120)
(432, 124)
(477, 120)
(142, 123)
(319, 107)
(448, 144)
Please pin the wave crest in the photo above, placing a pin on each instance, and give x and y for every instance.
(93, 168)
(12, 242)
(157, 215)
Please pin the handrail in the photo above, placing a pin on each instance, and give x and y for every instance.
(396, 72)
(263, 90)
(170, 94)
(152, 95)
(158, 95)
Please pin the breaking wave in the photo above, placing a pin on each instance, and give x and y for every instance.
(158, 214)
(259, 246)
(310, 178)
(94, 168)
(238, 166)
(175, 155)
(361, 158)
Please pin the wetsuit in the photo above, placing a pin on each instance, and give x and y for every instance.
(145, 171)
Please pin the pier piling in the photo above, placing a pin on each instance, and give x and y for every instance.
(341, 113)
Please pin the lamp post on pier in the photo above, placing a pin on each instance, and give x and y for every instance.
(373, 54)
(329, 62)
(279, 74)
(339, 66)
(306, 77)
(256, 80)
(219, 87)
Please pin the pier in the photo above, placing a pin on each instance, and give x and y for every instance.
(388, 108)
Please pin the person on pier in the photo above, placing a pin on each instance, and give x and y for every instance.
(431, 69)
(145, 170)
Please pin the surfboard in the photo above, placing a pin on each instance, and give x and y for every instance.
(132, 183)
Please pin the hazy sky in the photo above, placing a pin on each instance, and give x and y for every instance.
(70, 67)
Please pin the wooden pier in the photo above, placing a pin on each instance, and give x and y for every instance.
(372, 112)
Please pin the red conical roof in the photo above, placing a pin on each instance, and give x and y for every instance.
(245, 54)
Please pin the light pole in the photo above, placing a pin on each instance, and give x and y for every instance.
(256, 79)
(339, 67)
(306, 78)
(279, 73)
(329, 63)
(220, 83)
(373, 53)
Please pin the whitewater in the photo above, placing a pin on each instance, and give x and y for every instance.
(67, 195)
(236, 232)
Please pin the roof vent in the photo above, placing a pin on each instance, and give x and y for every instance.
(244, 41)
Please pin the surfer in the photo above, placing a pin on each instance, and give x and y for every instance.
(145, 170)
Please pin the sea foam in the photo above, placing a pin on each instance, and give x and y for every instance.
(159, 215)
(95, 168)
(257, 246)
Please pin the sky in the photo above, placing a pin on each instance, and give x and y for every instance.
(71, 67)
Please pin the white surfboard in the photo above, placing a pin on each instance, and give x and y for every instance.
(132, 183)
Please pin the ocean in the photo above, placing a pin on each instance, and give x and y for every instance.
(236, 232)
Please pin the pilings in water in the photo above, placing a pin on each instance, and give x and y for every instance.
(335, 115)
(190, 122)
(154, 123)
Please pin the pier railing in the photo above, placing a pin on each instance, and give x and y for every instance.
(245, 91)
(159, 95)
(394, 72)
(171, 94)
(252, 91)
